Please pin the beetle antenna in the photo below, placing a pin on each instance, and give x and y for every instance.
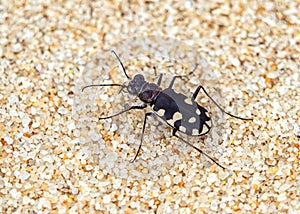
(123, 86)
(123, 68)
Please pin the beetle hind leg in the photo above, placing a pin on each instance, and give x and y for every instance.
(199, 150)
(201, 87)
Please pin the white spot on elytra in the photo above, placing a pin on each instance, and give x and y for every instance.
(161, 112)
(198, 112)
(188, 101)
(204, 129)
(192, 120)
(208, 123)
(195, 132)
(206, 113)
(177, 116)
(182, 129)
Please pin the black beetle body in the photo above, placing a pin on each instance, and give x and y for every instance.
(180, 112)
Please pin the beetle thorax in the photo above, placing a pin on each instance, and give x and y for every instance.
(149, 92)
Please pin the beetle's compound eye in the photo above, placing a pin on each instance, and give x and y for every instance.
(131, 88)
(135, 85)
(139, 78)
(152, 87)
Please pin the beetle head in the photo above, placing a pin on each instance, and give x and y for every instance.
(135, 85)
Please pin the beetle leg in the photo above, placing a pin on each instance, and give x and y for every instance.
(201, 87)
(142, 137)
(179, 76)
(173, 80)
(199, 150)
(159, 79)
(126, 110)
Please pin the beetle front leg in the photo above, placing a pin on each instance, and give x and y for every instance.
(126, 110)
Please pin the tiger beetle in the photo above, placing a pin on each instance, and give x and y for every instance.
(182, 114)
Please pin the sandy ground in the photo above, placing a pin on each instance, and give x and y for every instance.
(57, 157)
